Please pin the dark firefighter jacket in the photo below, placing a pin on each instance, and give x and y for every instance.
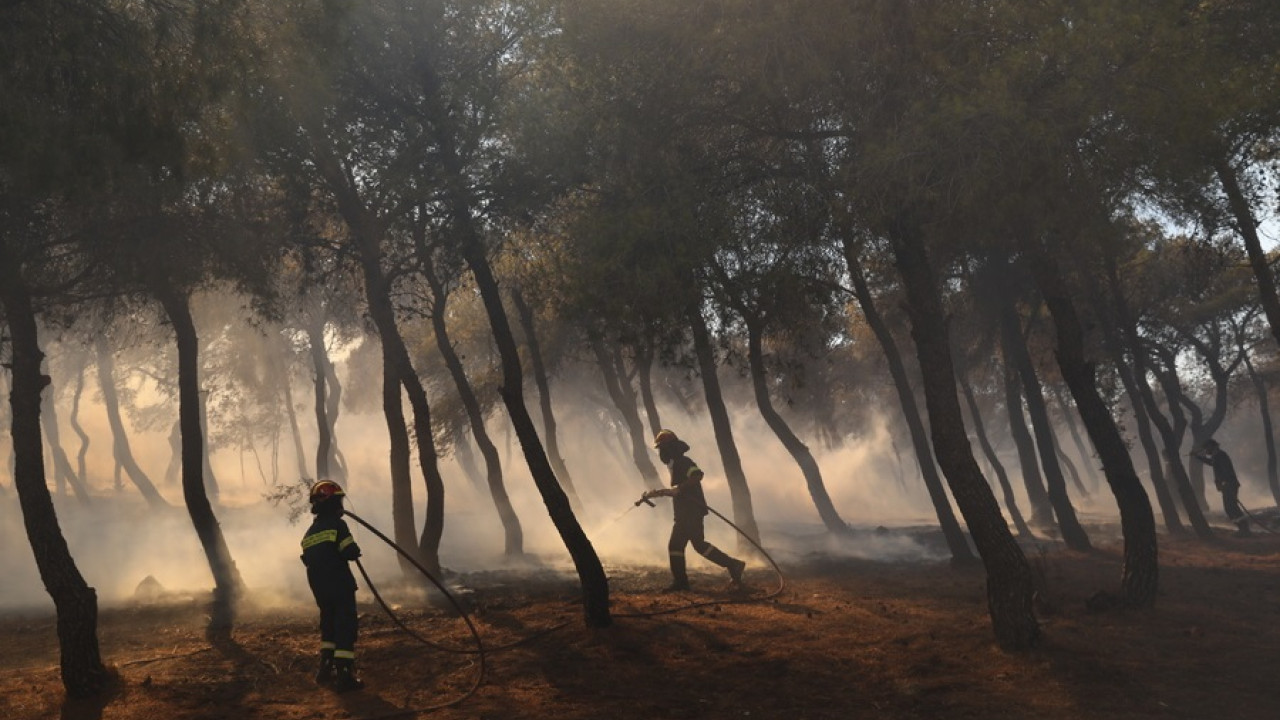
(327, 550)
(690, 504)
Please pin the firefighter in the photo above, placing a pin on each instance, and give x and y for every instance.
(327, 551)
(1224, 478)
(690, 507)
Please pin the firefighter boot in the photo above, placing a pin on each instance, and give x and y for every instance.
(324, 675)
(345, 679)
(1242, 528)
(679, 577)
(733, 565)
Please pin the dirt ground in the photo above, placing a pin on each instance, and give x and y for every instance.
(843, 639)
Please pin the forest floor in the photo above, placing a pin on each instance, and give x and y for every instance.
(843, 639)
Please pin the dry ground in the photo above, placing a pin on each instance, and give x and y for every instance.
(844, 639)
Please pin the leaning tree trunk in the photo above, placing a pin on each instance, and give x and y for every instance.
(595, 584)
(1010, 502)
(1170, 437)
(798, 450)
(61, 463)
(540, 379)
(327, 467)
(1081, 451)
(1041, 508)
(644, 372)
(1010, 586)
(402, 523)
(743, 513)
(75, 603)
(513, 545)
(1247, 226)
(951, 530)
(1140, 577)
(1016, 354)
(73, 419)
(624, 399)
(120, 447)
(226, 577)
(1268, 433)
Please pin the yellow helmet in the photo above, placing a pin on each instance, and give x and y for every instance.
(663, 437)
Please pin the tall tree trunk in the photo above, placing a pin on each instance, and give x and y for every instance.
(210, 480)
(595, 584)
(1140, 577)
(75, 603)
(226, 577)
(327, 465)
(743, 513)
(1010, 502)
(624, 399)
(74, 421)
(1017, 356)
(61, 464)
(286, 392)
(513, 535)
(951, 530)
(1010, 587)
(1268, 432)
(644, 372)
(1159, 483)
(540, 379)
(368, 232)
(797, 449)
(1037, 496)
(1171, 433)
(120, 447)
(1082, 452)
(1247, 226)
(402, 521)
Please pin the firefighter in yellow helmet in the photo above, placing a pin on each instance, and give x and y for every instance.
(690, 507)
(327, 551)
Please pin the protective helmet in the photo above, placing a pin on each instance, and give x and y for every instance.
(324, 490)
(662, 438)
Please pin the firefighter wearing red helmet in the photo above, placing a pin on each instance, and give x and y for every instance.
(690, 507)
(327, 551)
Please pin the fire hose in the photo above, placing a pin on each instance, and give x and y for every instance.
(481, 651)
(782, 581)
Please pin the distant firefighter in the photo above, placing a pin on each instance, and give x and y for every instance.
(327, 551)
(690, 508)
(1224, 478)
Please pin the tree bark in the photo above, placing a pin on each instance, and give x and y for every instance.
(644, 373)
(740, 493)
(951, 530)
(1140, 577)
(75, 603)
(1016, 354)
(624, 399)
(541, 380)
(1037, 496)
(1247, 226)
(1268, 431)
(73, 419)
(513, 535)
(120, 447)
(61, 464)
(1010, 502)
(797, 449)
(226, 577)
(1010, 587)
(402, 511)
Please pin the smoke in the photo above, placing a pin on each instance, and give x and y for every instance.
(118, 542)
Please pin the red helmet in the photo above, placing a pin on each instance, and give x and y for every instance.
(662, 438)
(324, 490)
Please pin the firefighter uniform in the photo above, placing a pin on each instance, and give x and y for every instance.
(690, 507)
(1224, 478)
(327, 551)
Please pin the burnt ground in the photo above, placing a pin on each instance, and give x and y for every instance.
(843, 639)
